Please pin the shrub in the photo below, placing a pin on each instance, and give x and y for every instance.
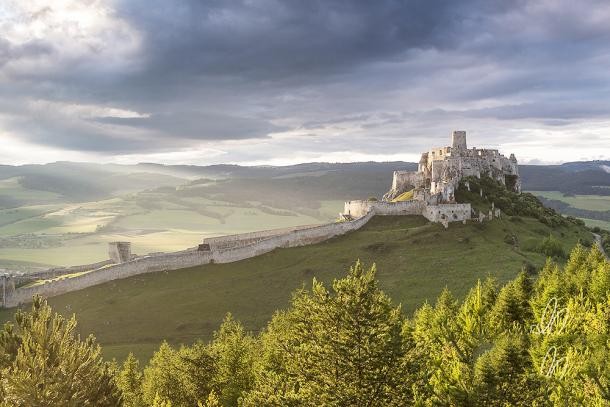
(510, 239)
(509, 202)
(551, 247)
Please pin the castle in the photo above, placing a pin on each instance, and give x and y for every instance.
(430, 191)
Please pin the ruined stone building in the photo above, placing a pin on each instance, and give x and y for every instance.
(441, 169)
(430, 191)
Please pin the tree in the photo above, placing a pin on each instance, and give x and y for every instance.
(233, 352)
(512, 305)
(129, 380)
(45, 363)
(341, 347)
(182, 377)
(504, 375)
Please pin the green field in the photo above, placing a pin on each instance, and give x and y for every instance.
(599, 223)
(153, 222)
(415, 259)
(589, 202)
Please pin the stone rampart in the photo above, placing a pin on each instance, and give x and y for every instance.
(60, 271)
(447, 212)
(245, 239)
(184, 259)
(360, 208)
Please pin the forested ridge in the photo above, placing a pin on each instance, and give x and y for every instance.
(537, 341)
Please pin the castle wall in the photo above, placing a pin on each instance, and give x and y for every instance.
(119, 252)
(185, 259)
(245, 239)
(59, 271)
(361, 208)
(404, 180)
(448, 212)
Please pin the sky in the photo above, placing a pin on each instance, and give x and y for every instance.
(260, 82)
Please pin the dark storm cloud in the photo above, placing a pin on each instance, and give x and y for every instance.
(273, 39)
(206, 127)
(222, 70)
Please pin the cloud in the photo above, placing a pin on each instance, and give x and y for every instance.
(268, 79)
(197, 125)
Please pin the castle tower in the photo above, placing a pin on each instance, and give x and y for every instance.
(119, 252)
(458, 142)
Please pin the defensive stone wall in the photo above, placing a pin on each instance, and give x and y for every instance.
(448, 212)
(60, 271)
(360, 208)
(245, 239)
(184, 259)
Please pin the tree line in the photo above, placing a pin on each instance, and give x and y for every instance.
(529, 342)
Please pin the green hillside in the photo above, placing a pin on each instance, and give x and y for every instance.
(415, 259)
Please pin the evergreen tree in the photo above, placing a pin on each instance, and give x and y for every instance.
(512, 306)
(233, 352)
(45, 363)
(504, 375)
(129, 380)
(345, 346)
(182, 377)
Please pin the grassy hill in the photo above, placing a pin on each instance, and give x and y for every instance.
(415, 259)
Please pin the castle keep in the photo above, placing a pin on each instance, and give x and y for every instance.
(430, 191)
(441, 169)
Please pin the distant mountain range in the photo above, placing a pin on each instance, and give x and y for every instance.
(76, 182)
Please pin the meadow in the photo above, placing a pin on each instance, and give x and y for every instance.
(595, 203)
(415, 259)
(589, 202)
(71, 233)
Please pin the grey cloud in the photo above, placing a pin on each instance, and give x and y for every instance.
(198, 125)
(31, 49)
(380, 71)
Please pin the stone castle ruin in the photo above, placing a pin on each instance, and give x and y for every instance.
(441, 169)
(428, 192)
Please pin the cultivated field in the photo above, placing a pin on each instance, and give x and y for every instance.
(589, 202)
(49, 229)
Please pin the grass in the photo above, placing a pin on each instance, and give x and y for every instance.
(11, 187)
(405, 196)
(588, 202)
(415, 260)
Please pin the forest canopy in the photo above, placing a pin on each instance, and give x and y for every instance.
(529, 342)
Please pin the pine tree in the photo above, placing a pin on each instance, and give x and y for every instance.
(129, 380)
(512, 306)
(46, 363)
(504, 375)
(182, 377)
(233, 352)
(344, 346)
